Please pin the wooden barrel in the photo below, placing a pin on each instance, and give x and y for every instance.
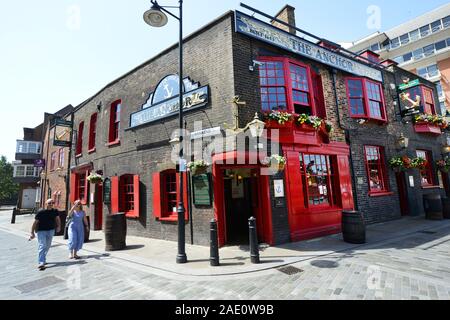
(432, 203)
(115, 231)
(446, 208)
(353, 227)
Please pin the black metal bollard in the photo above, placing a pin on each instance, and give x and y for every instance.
(214, 245)
(13, 218)
(254, 248)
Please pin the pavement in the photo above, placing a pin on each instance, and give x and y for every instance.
(403, 259)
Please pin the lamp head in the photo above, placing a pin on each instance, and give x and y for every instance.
(256, 127)
(155, 17)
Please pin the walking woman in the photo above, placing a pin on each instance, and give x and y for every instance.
(77, 222)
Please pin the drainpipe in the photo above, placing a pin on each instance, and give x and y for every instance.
(333, 73)
(72, 115)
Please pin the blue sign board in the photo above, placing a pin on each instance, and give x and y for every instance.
(265, 32)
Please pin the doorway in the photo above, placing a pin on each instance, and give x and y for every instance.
(402, 192)
(242, 201)
(98, 208)
(28, 198)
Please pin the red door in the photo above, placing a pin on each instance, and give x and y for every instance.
(99, 208)
(402, 193)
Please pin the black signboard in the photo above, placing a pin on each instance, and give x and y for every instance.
(107, 191)
(201, 187)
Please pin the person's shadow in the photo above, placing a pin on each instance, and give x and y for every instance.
(65, 264)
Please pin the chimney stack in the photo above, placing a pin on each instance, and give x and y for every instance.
(287, 15)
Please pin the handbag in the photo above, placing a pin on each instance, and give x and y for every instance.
(66, 227)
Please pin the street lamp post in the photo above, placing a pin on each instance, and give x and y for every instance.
(156, 17)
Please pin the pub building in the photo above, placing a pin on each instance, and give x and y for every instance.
(237, 66)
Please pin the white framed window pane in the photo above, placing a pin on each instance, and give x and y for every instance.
(21, 147)
(440, 45)
(407, 57)
(398, 59)
(375, 47)
(433, 70)
(422, 72)
(32, 147)
(446, 22)
(20, 171)
(414, 35)
(30, 171)
(436, 26)
(425, 31)
(418, 54)
(395, 43)
(404, 39)
(428, 50)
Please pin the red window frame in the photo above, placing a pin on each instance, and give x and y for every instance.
(79, 149)
(126, 192)
(52, 160)
(166, 192)
(271, 78)
(320, 161)
(61, 158)
(427, 98)
(426, 175)
(114, 122)
(81, 186)
(92, 132)
(380, 167)
(428, 101)
(372, 93)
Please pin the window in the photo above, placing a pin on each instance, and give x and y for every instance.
(446, 22)
(404, 39)
(52, 160)
(20, 171)
(114, 121)
(79, 149)
(290, 86)
(398, 59)
(440, 45)
(427, 98)
(376, 169)
(439, 89)
(30, 171)
(428, 72)
(92, 131)
(448, 42)
(166, 195)
(300, 89)
(426, 175)
(127, 193)
(443, 108)
(414, 35)
(395, 43)
(428, 50)
(273, 86)
(375, 47)
(436, 26)
(61, 158)
(81, 187)
(318, 177)
(407, 57)
(425, 31)
(418, 54)
(428, 103)
(170, 200)
(365, 99)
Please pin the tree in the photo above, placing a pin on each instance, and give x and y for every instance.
(8, 189)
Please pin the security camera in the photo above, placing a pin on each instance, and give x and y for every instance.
(255, 63)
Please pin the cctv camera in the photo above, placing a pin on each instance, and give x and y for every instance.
(255, 63)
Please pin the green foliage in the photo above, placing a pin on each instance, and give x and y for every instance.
(8, 189)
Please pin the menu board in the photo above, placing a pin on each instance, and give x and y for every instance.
(107, 191)
(201, 187)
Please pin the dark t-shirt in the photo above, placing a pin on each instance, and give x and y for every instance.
(46, 219)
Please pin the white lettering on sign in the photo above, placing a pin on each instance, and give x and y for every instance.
(205, 133)
(262, 31)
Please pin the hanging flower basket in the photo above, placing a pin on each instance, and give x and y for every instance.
(198, 167)
(275, 161)
(398, 164)
(95, 178)
(443, 165)
(419, 163)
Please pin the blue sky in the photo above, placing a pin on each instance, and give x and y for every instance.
(50, 58)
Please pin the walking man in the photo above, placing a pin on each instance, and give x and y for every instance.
(44, 224)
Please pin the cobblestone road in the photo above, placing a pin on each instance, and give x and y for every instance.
(416, 266)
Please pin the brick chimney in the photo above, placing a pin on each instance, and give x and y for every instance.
(287, 15)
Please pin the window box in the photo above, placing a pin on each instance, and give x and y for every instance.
(380, 194)
(428, 128)
(273, 124)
